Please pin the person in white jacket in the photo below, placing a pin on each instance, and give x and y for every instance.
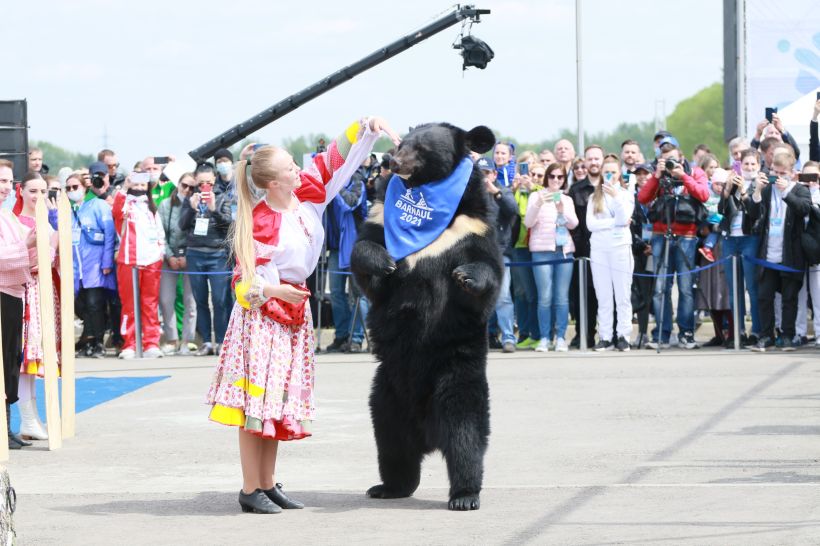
(608, 218)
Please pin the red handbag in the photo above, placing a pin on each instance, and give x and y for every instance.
(289, 314)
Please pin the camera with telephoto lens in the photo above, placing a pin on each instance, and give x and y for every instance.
(98, 180)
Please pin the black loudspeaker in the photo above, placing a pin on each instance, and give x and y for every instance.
(14, 135)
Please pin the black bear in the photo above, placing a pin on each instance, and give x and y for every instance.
(428, 262)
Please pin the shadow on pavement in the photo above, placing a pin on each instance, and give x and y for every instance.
(214, 503)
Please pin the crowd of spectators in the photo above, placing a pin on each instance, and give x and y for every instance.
(628, 226)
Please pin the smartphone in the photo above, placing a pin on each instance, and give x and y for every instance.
(772, 179)
(608, 178)
(524, 168)
(769, 113)
(205, 191)
(52, 194)
(139, 178)
(808, 177)
(736, 167)
(162, 159)
(556, 196)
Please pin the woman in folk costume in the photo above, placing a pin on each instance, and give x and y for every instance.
(31, 189)
(263, 381)
(142, 245)
(17, 258)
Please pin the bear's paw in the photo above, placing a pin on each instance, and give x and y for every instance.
(464, 503)
(381, 491)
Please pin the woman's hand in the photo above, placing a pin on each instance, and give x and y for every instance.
(610, 190)
(51, 204)
(285, 292)
(378, 124)
(246, 152)
(194, 200)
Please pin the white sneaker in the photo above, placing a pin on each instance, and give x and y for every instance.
(561, 346)
(169, 349)
(184, 350)
(127, 354)
(153, 352)
(543, 345)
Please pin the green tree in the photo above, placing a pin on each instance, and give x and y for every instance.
(699, 120)
(56, 157)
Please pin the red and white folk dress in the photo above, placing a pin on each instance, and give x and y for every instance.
(264, 379)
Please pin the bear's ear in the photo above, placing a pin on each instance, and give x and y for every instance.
(480, 139)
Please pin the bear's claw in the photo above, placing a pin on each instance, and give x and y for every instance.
(467, 502)
(381, 491)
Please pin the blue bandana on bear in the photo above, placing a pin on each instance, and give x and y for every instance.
(415, 217)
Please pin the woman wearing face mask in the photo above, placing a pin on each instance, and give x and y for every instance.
(31, 190)
(608, 217)
(142, 246)
(170, 211)
(550, 216)
(264, 379)
(741, 241)
(93, 238)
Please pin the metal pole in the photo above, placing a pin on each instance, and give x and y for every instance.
(137, 313)
(741, 67)
(735, 303)
(582, 310)
(578, 88)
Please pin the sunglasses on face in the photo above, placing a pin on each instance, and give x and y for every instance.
(556, 177)
(186, 187)
(73, 187)
(538, 175)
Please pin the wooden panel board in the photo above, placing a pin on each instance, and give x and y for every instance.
(55, 435)
(66, 254)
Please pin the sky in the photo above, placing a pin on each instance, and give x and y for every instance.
(163, 77)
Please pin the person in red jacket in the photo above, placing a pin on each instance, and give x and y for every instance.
(676, 192)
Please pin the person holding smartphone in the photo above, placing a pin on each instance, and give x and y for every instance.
(550, 216)
(142, 246)
(811, 178)
(206, 219)
(609, 213)
(779, 207)
(743, 241)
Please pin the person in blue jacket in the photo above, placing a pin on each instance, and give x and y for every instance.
(93, 237)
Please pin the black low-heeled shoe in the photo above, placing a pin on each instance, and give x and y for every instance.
(257, 502)
(278, 496)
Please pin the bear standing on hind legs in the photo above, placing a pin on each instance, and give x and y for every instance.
(428, 262)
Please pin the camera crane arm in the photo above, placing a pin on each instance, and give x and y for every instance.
(291, 103)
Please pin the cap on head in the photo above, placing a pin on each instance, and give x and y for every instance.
(484, 164)
(669, 140)
(98, 167)
(644, 167)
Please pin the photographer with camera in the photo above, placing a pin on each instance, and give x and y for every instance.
(778, 208)
(206, 218)
(676, 193)
(170, 211)
(98, 183)
(110, 159)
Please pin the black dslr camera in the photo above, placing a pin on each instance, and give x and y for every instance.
(98, 180)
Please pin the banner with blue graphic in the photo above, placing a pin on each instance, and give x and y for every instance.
(782, 63)
(415, 217)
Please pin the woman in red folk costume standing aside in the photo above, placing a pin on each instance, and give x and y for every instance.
(263, 381)
(32, 188)
(142, 245)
